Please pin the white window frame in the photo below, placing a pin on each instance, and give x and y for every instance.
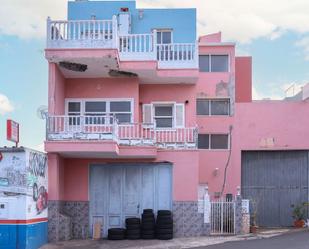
(210, 135)
(165, 30)
(209, 107)
(158, 103)
(67, 108)
(173, 105)
(107, 100)
(209, 58)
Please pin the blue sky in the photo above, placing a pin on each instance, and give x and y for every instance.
(275, 33)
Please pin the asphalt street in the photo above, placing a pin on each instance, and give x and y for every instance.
(293, 240)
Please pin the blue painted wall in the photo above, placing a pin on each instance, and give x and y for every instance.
(182, 21)
(31, 236)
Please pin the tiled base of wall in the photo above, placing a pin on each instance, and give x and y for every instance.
(187, 221)
(69, 220)
(79, 213)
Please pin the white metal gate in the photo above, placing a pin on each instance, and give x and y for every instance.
(222, 217)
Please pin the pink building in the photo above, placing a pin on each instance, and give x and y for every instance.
(143, 115)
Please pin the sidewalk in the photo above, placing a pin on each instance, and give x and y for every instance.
(177, 243)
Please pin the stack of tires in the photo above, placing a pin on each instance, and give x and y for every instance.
(116, 234)
(148, 224)
(133, 226)
(164, 225)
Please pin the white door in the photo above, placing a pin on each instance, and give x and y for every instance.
(119, 191)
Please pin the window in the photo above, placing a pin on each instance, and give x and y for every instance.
(95, 108)
(203, 107)
(204, 63)
(213, 141)
(219, 63)
(220, 107)
(163, 115)
(219, 142)
(214, 63)
(213, 107)
(74, 110)
(203, 141)
(120, 108)
(164, 36)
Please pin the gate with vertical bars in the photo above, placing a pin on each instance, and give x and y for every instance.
(222, 217)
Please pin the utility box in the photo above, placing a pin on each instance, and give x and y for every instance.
(23, 198)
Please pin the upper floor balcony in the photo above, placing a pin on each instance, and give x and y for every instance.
(107, 128)
(107, 34)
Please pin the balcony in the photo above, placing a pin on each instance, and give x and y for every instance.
(107, 128)
(104, 34)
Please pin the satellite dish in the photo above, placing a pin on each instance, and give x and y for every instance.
(42, 112)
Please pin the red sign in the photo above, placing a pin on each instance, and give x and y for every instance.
(12, 131)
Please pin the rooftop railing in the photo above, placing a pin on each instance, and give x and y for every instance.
(131, 47)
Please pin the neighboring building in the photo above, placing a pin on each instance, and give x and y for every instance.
(141, 115)
(23, 198)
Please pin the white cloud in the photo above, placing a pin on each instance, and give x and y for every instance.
(304, 44)
(243, 20)
(27, 18)
(5, 104)
(239, 20)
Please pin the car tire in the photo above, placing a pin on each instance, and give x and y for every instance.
(164, 226)
(147, 226)
(164, 221)
(145, 216)
(131, 221)
(116, 237)
(148, 211)
(147, 236)
(133, 232)
(133, 237)
(164, 212)
(165, 236)
(133, 226)
(116, 231)
(164, 231)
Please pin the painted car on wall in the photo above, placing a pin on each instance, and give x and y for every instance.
(25, 174)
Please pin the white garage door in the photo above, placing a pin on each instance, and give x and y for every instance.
(118, 191)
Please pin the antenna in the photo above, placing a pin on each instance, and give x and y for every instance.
(42, 112)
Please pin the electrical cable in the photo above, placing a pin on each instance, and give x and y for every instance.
(228, 161)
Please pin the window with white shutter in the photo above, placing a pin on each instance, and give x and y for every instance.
(180, 115)
(147, 114)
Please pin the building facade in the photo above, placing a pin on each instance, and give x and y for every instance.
(143, 114)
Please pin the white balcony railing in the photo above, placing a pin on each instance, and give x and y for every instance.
(177, 55)
(136, 47)
(62, 128)
(82, 34)
(131, 47)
